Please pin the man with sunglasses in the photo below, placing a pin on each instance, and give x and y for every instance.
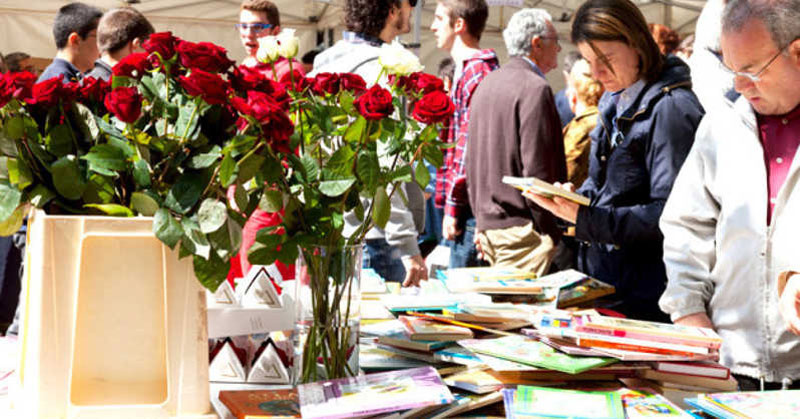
(732, 223)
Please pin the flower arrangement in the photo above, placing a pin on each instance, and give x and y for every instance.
(179, 125)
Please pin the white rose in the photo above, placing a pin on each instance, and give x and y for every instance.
(268, 49)
(289, 44)
(397, 60)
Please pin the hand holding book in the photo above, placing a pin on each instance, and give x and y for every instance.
(559, 199)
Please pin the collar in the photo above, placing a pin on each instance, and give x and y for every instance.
(100, 62)
(535, 67)
(482, 55)
(590, 111)
(627, 96)
(361, 38)
(789, 116)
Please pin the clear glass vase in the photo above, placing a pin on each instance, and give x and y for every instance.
(328, 304)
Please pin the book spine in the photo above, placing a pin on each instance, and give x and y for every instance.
(693, 370)
(649, 336)
(646, 343)
(595, 343)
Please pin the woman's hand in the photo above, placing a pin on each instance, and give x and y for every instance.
(560, 207)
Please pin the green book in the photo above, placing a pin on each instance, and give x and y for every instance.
(532, 352)
(545, 402)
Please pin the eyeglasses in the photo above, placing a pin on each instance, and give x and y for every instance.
(412, 3)
(255, 27)
(753, 77)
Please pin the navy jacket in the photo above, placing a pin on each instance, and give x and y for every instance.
(629, 183)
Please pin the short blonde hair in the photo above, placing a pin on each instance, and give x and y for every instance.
(587, 89)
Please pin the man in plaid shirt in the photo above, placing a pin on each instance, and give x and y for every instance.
(458, 25)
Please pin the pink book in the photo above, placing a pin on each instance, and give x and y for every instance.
(646, 330)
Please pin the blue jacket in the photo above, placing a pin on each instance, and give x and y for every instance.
(629, 183)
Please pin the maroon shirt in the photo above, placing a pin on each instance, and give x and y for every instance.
(780, 137)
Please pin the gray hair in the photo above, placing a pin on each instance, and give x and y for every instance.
(522, 27)
(780, 17)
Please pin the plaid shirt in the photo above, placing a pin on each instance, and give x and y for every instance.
(451, 178)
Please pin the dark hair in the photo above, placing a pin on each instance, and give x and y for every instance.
(75, 17)
(780, 17)
(14, 59)
(368, 16)
(308, 58)
(570, 59)
(474, 13)
(265, 6)
(120, 26)
(618, 20)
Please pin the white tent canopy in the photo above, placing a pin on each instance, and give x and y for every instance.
(25, 25)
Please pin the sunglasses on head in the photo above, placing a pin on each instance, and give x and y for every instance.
(255, 27)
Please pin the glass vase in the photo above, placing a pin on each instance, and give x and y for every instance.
(328, 304)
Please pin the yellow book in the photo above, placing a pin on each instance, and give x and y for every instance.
(543, 188)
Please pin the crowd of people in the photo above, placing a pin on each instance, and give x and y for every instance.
(689, 167)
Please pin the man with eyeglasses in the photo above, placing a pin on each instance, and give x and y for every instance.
(515, 130)
(732, 223)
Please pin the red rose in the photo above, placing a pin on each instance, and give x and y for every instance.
(71, 92)
(433, 107)
(203, 55)
(426, 83)
(270, 114)
(245, 78)
(16, 85)
(94, 90)
(300, 81)
(134, 65)
(326, 83)
(375, 104)
(47, 93)
(211, 87)
(352, 83)
(162, 43)
(125, 103)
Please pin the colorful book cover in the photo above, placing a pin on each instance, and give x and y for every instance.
(645, 403)
(372, 358)
(587, 290)
(394, 333)
(548, 402)
(758, 404)
(476, 380)
(422, 329)
(372, 394)
(531, 352)
(261, 403)
(623, 327)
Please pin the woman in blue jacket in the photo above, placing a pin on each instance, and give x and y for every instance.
(648, 117)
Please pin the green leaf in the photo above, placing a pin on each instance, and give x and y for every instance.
(144, 204)
(310, 168)
(67, 177)
(109, 129)
(341, 161)
(187, 123)
(9, 199)
(105, 159)
(240, 198)
(227, 239)
(271, 200)
(211, 215)
(185, 193)
(141, 137)
(355, 130)
(141, 174)
(166, 228)
(89, 119)
(210, 272)
(114, 210)
(15, 128)
(59, 140)
(382, 210)
(40, 196)
(288, 253)
(99, 190)
(260, 254)
(401, 174)
(368, 169)
(13, 223)
(19, 174)
(193, 239)
(422, 175)
(433, 155)
(346, 100)
(272, 170)
(334, 188)
(249, 166)
(205, 160)
(227, 171)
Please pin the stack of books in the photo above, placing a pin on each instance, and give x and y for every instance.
(753, 404)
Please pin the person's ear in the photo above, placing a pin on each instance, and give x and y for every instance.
(460, 26)
(794, 52)
(73, 39)
(275, 30)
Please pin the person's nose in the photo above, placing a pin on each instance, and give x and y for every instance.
(742, 83)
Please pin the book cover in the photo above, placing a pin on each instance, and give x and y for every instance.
(475, 380)
(394, 333)
(589, 339)
(758, 404)
(586, 290)
(646, 403)
(546, 189)
(700, 369)
(531, 352)
(373, 394)
(728, 384)
(472, 402)
(561, 403)
(253, 404)
(623, 327)
(373, 358)
(422, 329)
(457, 355)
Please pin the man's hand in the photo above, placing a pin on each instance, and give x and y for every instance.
(416, 271)
(450, 228)
(560, 207)
(789, 303)
(478, 246)
(696, 320)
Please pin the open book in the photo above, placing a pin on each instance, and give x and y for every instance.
(544, 188)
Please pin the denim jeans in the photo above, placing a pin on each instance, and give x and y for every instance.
(462, 250)
(384, 259)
